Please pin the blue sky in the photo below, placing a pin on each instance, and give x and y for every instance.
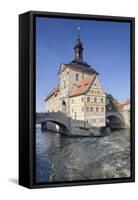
(106, 49)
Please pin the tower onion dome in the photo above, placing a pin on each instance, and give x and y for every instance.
(78, 47)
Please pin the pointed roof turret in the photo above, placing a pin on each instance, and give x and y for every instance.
(78, 62)
(78, 47)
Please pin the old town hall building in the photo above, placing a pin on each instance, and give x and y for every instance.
(79, 93)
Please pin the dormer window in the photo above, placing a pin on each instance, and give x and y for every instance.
(77, 77)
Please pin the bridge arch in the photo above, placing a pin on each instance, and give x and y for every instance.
(58, 118)
(115, 119)
(63, 127)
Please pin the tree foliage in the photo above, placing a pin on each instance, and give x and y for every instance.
(111, 103)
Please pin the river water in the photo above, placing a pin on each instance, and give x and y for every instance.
(63, 158)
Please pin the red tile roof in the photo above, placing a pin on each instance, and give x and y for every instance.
(82, 86)
(127, 102)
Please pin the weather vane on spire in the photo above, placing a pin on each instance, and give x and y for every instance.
(78, 28)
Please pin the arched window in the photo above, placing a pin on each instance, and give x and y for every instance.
(97, 109)
(63, 106)
(77, 77)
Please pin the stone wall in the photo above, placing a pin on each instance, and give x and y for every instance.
(126, 116)
(53, 104)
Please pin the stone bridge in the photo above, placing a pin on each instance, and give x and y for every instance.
(58, 118)
(118, 119)
(114, 119)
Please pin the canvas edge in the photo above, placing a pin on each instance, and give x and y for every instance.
(24, 96)
(31, 183)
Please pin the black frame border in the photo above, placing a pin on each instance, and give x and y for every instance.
(27, 108)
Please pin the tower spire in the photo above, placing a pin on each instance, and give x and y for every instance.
(78, 34)
(78, 47)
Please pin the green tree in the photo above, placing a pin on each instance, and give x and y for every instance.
(111, 103)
